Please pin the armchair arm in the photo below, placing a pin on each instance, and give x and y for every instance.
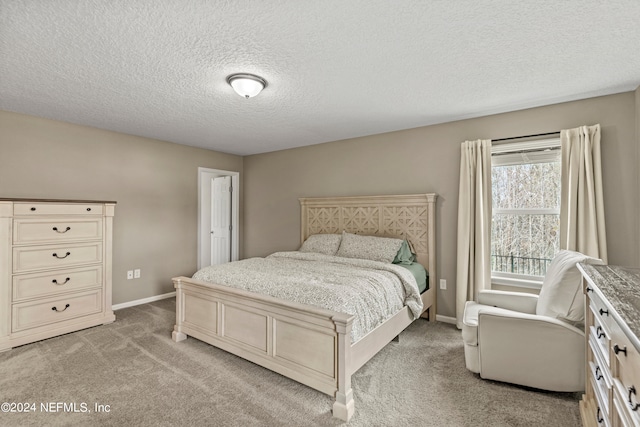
(535, 351)
(517, 301)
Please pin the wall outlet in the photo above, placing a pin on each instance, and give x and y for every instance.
(129, 274)
(443, 284)
(136, 273)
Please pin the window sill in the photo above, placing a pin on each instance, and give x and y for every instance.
(517, 283)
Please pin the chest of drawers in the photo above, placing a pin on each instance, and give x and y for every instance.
(55, 259)
(613, 349)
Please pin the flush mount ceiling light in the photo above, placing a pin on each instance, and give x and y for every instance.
(246, 85)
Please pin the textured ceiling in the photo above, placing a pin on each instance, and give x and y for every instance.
(336, 69)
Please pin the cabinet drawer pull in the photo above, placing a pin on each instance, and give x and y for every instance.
(60, 311)
(598, 373)
(589, 289)
(599, 332)
(55, 281)
(603, 311)
(617, 349)
(33, 209)
(61, 257)
(599, 417)
(88, 209)
(61, 232)
(632, 390)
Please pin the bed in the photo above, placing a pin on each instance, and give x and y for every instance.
(307, 343)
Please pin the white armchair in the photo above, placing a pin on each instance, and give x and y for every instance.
(531, 340)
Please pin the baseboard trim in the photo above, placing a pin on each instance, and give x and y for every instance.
(445, 319)
(143, 301)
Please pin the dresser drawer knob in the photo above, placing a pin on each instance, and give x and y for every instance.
(589, 289)
(61, 232)
(634, 407)
(61, 257)
(598, 373)
(60, 311)
(617, 349)
(88, 209)
(55, 281)
(33, 209)
(599, 332)
(603, 311)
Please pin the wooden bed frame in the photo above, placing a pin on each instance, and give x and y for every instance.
(308, 344)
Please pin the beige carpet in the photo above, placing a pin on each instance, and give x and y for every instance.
(146, 379)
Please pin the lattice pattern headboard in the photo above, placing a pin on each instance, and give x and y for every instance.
(405, 216)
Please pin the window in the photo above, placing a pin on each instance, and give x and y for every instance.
(526, 210)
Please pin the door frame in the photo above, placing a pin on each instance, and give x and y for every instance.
(205, 175)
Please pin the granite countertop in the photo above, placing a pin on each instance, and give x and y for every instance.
(621, 287)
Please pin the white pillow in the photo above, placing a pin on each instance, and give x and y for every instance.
(561, 293)
(327, 244)
(383, 249)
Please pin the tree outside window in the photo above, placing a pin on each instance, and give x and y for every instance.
(526, 213)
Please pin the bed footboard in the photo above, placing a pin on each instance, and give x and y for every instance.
(307, 344)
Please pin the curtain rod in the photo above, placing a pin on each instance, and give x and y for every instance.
(534, 150)
(526, 136)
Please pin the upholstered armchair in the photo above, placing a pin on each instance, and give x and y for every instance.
(531, 340)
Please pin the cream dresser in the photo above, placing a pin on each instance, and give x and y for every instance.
(612, 381)
(55, 259)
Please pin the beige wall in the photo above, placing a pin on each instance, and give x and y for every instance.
(154, 183)
(427, 160)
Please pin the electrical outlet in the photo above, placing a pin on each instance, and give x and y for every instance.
(136, 273)
(443, 284)
(129, 274)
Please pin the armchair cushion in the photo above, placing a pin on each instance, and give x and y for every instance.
(561, 293)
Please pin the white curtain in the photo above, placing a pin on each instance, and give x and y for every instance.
(474, 223)
(582, 225)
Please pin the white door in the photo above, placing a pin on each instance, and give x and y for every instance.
(221, 220)
(205, 207)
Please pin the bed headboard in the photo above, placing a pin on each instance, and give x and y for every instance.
(409, 216)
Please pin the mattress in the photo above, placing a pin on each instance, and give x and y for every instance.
(371, 291)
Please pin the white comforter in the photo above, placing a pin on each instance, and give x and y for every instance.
(371, 291)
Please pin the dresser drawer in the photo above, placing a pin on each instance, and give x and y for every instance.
(59, 230)
(601, 410)
(28, 315)
(600, 336)
(39, 208)
(627, 371)
(601, 312)
(55, 256)
(625, 401)
(627, 356)
(26, 286)
(600, 373)
(619, 413)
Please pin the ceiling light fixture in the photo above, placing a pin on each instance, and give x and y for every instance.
(246, 85)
